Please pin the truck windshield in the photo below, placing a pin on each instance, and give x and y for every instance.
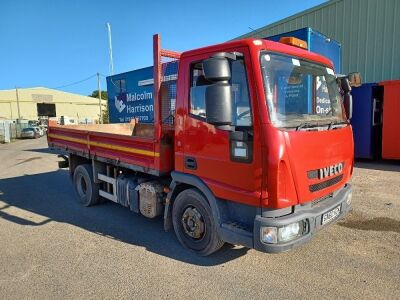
(300, 93)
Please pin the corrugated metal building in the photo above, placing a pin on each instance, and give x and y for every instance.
(40, 101)
(369, 31)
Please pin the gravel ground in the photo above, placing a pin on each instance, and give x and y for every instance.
(51, 247)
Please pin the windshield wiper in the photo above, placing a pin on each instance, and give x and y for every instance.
(306, 125)
(331, 124)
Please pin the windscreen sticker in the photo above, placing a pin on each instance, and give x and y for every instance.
(295, 62)
(330, 71)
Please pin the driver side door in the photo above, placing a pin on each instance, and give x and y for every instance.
(226, 161)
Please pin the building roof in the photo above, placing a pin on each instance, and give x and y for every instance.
(45, 95)
(366, 30)
(257, 31)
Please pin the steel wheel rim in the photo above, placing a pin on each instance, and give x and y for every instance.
(193, 223)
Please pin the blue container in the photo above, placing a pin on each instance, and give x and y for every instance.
(367, 120)
(130, 94)
(317, 42)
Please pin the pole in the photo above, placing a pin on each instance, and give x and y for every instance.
(110, 49)
(157, 85)
(19, 113)
(11, 116)
(99, 89)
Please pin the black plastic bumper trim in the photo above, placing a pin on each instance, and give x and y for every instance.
(302, 212)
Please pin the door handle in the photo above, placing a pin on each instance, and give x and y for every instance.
(190, 163)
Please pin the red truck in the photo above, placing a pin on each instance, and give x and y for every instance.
(240, 156)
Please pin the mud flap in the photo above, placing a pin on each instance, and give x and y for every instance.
(168, 207)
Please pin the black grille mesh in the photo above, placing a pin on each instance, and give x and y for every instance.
(168, 91)
(319, 200)
(325, 184)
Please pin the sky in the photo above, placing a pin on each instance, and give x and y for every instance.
(54, 43)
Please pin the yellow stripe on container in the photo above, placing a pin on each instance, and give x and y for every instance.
(107, 146)
(67, 138)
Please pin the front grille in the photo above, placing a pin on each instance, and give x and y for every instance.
(325, 184)
(319, 200)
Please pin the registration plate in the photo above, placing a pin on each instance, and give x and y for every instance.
(330, 215)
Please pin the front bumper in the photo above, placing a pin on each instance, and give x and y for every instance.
(313, 215)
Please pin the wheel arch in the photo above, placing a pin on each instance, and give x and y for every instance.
(75, 161)
(181, 182)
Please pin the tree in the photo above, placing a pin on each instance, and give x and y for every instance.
(104, 96)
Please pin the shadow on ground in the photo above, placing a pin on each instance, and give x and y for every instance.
(51, 195)
(46, 150)
(358, 221)
(380, 165)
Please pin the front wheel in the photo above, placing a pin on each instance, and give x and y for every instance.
(194, 224)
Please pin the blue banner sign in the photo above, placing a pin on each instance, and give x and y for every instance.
(130, 94)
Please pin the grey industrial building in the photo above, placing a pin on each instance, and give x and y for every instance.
(368, 30)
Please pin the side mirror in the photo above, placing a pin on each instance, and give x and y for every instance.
(217, 68)
(354, 79)
(219, 104)
(345, 85)
(348, 105)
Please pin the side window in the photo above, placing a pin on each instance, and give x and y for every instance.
(240, 93)
(198, 90)
(241, 100)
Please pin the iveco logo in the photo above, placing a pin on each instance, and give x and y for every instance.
(330, 171)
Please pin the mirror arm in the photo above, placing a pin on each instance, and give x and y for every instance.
(226, 127)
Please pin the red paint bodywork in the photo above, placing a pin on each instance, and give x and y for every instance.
(111, 146)
(277, 175)
(258, 182)
(391, 110)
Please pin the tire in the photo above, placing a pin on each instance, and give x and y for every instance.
(86, 190)
(194, 224)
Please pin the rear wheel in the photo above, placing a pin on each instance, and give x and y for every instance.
(86, 190)
(194, 224)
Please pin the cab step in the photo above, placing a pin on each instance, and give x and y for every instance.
(237, 233)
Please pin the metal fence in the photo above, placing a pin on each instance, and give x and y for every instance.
(2, 133)
(10, 131)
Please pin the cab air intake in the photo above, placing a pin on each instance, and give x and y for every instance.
(323, 185)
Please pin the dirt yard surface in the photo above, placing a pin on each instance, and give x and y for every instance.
(51, 247)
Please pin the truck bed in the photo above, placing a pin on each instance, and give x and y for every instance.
(127, 145)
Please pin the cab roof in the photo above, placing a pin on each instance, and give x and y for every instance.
(265, 45)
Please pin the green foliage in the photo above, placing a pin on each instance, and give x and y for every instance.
(104, 96)
(95, 94)
(106, 119)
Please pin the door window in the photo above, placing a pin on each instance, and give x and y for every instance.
(240, 93)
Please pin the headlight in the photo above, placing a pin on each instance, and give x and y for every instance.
(269, 235)
(273, 235)
(289, 232)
